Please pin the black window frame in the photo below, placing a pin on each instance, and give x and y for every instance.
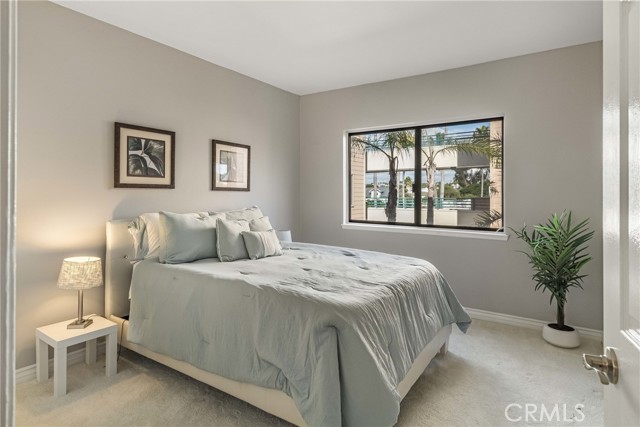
(417, 184)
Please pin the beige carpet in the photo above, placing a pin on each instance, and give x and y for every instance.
(493, 366)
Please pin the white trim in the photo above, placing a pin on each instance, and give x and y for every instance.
(346, 225)
(345, 177)
(525, 322)
(28, 373)
(471, 234)
(8, 138)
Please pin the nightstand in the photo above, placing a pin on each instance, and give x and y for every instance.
(60, 338)
(284, 235)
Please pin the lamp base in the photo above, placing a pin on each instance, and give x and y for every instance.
(79, 324)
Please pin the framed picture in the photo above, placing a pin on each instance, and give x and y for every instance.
(231, 166)
(144, 157)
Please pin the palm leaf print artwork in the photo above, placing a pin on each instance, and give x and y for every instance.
(146, 157)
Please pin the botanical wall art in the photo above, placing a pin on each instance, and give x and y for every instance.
(231, 166)
(144, 157)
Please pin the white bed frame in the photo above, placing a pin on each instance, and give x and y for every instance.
(118, 279)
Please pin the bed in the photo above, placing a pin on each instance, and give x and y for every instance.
(354, 371)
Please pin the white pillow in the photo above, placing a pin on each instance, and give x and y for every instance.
(260, 224)
(152, 234)
(229, 240)
(145, 230)
(137, 230)
(261, 244)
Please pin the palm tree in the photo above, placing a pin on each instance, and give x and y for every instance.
(480, 143)
(392, 145)
(430, 155)
(487, 218)
(481, 132)
(493, 149)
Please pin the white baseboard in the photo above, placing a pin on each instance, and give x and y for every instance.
(28, 373)
(525, 322)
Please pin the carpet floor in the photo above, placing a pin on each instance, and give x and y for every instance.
(496, 375)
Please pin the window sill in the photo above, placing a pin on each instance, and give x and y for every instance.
(469, 234)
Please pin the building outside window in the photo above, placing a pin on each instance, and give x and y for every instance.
(451, 179)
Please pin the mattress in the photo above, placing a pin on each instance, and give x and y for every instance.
(336, 329)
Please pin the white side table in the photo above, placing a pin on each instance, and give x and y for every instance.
(60, 338)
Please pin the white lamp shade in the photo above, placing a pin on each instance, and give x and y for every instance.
(80, 273)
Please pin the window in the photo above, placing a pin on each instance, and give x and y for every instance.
(451, 179)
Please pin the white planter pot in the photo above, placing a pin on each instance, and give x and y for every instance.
(564, 339)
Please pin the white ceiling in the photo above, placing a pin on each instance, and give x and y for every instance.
(308, 46)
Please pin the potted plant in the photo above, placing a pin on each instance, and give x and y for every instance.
(557, 254)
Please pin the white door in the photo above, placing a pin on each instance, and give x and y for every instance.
(621, 207)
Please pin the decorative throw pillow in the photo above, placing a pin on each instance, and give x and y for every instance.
(229, 240)
(261, 244)
(187, 237)
(260, 224)
(246, 214)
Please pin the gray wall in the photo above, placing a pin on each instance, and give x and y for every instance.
(78, 76)
(552, 104)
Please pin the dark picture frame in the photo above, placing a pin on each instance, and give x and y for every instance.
(144, 157)
(231, 166)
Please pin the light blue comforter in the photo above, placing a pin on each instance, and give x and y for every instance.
(336, 329)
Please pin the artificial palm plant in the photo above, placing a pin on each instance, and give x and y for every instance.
(558, 251)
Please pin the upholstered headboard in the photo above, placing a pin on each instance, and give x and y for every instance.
(118, 269)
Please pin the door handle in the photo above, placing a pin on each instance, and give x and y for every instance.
(606, 365)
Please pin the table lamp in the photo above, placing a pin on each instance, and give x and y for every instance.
(80, 273)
